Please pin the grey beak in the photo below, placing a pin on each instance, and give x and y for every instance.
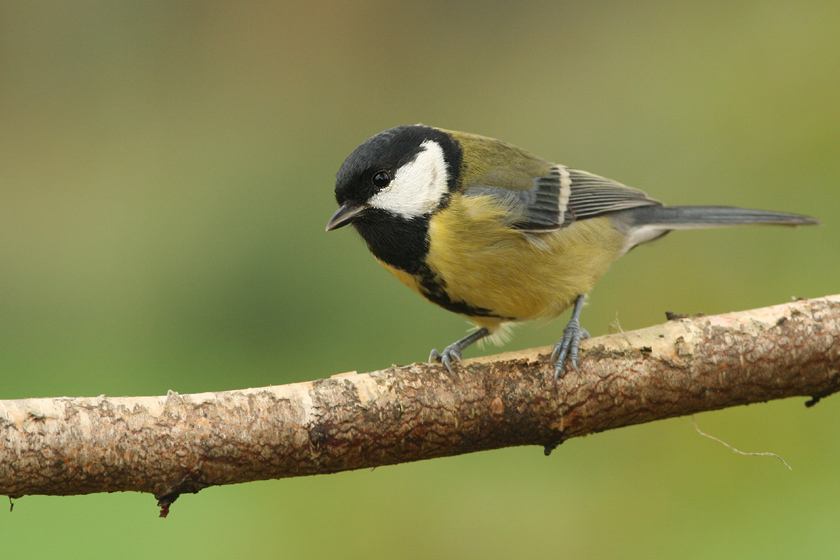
(345, 214)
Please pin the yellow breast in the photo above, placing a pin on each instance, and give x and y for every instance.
(516, 274)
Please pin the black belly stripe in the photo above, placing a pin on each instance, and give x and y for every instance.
(404, 244)
(434, 290)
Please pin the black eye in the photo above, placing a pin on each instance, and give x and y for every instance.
(381, 179)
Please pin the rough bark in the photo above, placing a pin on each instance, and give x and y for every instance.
(173, 444)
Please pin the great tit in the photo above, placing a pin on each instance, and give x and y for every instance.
(491, 232)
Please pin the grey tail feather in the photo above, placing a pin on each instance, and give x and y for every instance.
(679, 217)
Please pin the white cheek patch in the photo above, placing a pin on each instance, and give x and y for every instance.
(418, 186)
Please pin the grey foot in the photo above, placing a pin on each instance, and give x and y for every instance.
(568, 347)
(450, 354)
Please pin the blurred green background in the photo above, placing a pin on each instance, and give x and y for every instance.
(166, 172)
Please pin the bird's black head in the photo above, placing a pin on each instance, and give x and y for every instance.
(406, 172)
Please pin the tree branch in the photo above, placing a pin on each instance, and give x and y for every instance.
(174, 444)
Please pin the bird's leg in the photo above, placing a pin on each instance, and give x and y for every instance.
(569, 344)
(453, 351)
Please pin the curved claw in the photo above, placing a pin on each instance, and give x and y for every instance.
(568, 346)
(450, 354)
(453, 351)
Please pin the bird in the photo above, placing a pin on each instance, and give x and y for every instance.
(491, 232)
